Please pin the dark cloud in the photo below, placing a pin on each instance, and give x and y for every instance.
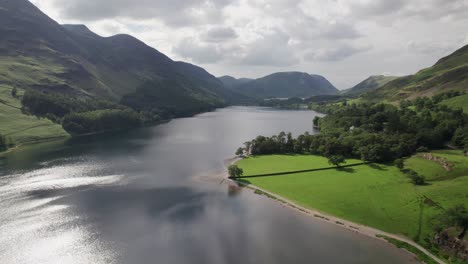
(436, 9)
(173, 13)
(335, 54)
(377, 7)
(219, 34)
(340, 31)
(400, 9)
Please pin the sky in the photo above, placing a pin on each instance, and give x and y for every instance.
(346, 41)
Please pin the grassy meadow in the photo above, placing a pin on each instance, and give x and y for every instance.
(21, 128)
(376, 195)
(457, 102)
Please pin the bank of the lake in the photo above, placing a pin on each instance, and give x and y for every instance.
(130, 197)
(374, 195)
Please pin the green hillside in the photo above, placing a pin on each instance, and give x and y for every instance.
(21, 128)
(449, 73)
(370, 84)
(38, 53)
(460, 102)
(67, 68)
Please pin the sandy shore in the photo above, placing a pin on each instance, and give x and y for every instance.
(354, 227)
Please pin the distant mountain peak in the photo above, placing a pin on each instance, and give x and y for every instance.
(282, 85)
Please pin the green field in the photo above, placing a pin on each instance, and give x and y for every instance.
(434, 171)
(280, 163)
(22, 128)
(375, 195)
(460, 102)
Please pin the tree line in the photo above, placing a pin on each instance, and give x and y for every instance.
(3, 143)
(373, 132)
(80, 115)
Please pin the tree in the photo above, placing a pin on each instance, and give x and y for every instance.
(3, 143)
(14, 92)
(235, 172)
(416, 179)
(336, 160)
(239, 151)
(399, 163)
(457, 216)
(316, 121)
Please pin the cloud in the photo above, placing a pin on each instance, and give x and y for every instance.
(175, 13)
(400, 9)
(429, 47)
(437, 9)
(340, 31)
(335, 54)
(271, 49)
(219, 34)
(376, 7)
(251, 38)
(190, 48)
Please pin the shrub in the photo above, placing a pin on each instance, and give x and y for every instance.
(235, 172)
(416, 179)
(422, 149)
(400, 164)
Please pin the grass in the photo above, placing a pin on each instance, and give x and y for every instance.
(400, 244)
(279, 163)
(23, 71)
(433, 171)
(459, 102)
(21, 128)
(379, 196)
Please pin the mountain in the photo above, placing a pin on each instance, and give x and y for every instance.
(369, 84)
(231, 82)
(285, 85)
(448, 74)
(38, 53)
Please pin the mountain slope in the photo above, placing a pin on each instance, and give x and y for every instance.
(231, 82)
(369, 84)
(38, 53)
(211, 84)
(449, 73)
(287, 85)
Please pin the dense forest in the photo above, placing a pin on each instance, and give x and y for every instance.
(375, 132)
(3, 143)
(81, 115)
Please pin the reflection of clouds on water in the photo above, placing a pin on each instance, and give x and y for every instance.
(43, 230)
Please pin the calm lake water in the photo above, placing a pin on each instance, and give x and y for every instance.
(150, 196)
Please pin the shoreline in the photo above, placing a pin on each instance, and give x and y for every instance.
(343, 223)
(32, 142)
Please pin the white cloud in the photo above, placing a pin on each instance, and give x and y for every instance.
(335, 54)
(190, 48)
(251, 38)
(272, 49)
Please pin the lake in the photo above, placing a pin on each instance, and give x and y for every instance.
(152, 196)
